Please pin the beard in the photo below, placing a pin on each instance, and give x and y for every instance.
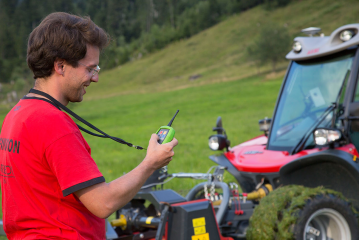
(75, 94)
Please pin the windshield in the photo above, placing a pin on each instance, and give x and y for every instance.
(311, 87)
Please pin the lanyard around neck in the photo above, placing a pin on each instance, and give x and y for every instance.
(103, 134)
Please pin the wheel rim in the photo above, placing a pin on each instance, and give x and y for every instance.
(326, 224)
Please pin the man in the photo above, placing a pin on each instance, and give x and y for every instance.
(51, 187)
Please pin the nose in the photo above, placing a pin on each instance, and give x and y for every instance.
(94, 78)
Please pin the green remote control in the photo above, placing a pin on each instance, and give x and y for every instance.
(166, 133)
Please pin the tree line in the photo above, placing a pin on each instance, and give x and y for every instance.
(136, 27)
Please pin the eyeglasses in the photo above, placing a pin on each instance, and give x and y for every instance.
(93, 71)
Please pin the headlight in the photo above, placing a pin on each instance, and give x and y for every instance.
(217, 142)
(346, 35)
(297, 47)
(213, 143)
(325, 136)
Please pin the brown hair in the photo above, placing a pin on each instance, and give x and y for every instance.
(65, 36)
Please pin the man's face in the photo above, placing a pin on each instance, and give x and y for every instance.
(79, 78)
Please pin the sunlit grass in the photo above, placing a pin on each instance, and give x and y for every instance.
(135, 117)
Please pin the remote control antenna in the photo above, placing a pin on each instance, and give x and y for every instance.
(170, 123)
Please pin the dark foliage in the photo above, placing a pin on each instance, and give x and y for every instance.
(272, 4)
(271, 45)
(137, 27)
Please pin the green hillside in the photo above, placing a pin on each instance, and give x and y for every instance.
(219, 53)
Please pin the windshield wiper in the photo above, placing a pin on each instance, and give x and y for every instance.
(304, 139)
(339, 95)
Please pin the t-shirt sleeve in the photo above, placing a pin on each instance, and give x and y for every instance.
(72, 164)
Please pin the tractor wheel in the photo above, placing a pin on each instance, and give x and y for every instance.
(297, 212)
(326, 217)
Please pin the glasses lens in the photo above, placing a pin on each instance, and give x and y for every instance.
(96, 71)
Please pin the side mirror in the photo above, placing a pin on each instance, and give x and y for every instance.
(218, 141)
(219, 127)
(326, 136)
(264, 125)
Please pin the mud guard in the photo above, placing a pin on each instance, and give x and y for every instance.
(247, 184)
(333, 169)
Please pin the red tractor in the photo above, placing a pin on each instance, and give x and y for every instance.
(299, 180)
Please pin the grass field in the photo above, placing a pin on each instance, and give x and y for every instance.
(135, 117)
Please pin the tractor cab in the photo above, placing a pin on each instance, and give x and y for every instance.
(312, 96)
(319, 91)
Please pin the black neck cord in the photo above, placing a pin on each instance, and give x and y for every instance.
(104, 135)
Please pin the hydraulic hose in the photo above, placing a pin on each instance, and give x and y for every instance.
(136, 223)
(120, 222)
(225, 200)
(263, 191)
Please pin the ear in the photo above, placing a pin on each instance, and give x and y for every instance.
(59, 66)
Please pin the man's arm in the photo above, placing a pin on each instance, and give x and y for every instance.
(105, 198)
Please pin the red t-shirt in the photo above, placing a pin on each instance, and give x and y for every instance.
(44, 159)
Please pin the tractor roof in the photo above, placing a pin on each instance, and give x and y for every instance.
(313, 47)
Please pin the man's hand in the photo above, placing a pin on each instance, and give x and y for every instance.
(159, 155)
(104, 198)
